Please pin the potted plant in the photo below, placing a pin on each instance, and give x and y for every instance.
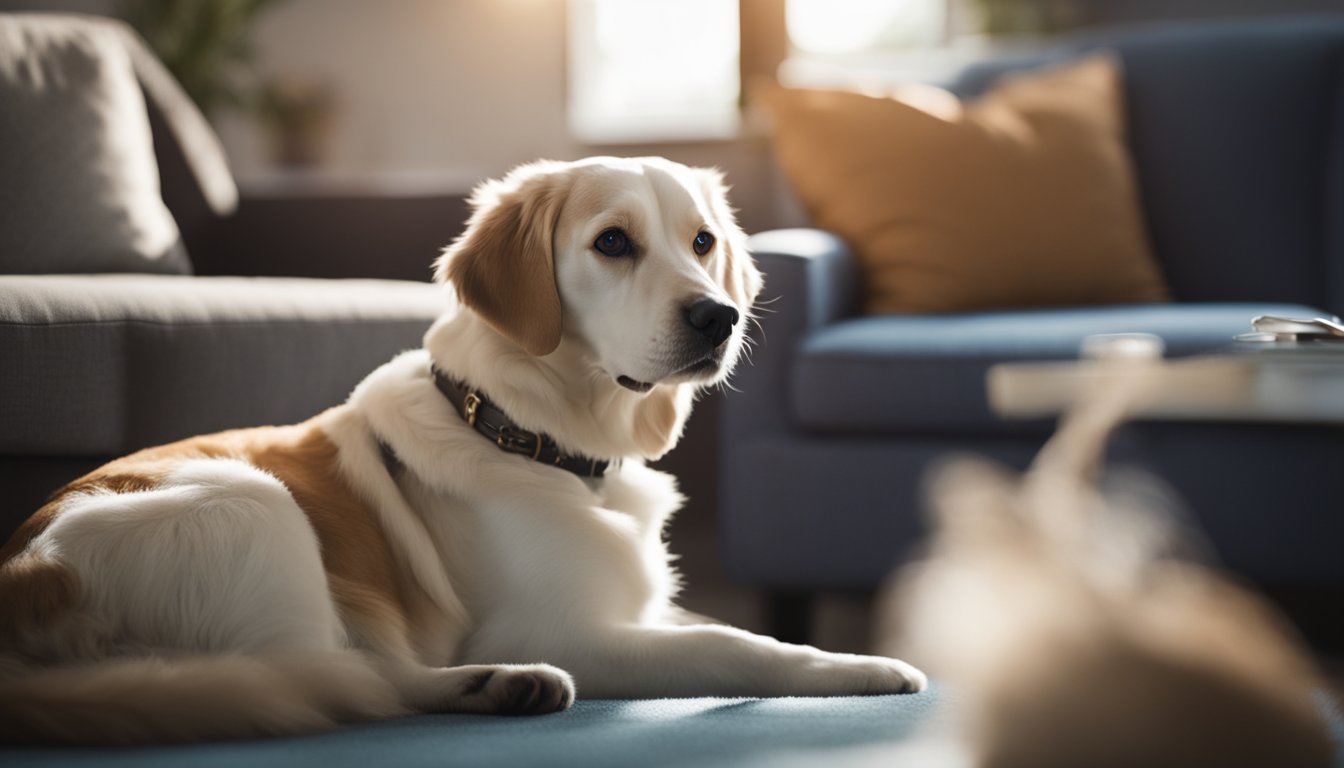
(1025, 18)
(204, 43)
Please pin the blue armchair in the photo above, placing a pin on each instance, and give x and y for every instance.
(1237, 133)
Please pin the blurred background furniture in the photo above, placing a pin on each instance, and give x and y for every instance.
(260, 326)
(1287, 380)
(1235, 131)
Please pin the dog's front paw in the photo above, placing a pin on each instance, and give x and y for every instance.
(894, 676)
(849, 675)
(523, 689)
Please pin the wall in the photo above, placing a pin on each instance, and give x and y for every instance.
(440, 94)
(467, 86)
(446, 92)
(451, 91)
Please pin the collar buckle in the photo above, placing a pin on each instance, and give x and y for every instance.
(469, 405)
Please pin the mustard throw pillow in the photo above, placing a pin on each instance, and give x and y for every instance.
(1024, 197)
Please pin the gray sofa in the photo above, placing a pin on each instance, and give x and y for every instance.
(1237, 131)
(258, 322)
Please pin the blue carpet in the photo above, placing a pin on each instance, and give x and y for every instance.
(1334, 717)
(661, 732)
(593, 734)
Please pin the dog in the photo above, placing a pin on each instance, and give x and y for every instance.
(474, 530)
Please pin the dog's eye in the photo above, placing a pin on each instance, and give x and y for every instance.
(613, 242)
(702, 243)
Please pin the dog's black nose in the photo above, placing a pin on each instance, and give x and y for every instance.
(712, 320)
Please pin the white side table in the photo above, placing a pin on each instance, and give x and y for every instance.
(1302, 383)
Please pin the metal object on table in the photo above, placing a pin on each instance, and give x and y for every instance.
(1273, 328)
(1122, 346)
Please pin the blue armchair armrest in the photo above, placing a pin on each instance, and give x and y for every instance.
(810, 281)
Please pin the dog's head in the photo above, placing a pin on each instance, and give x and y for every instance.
(638, 260)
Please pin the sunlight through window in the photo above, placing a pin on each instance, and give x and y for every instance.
(856, 26)
(645, 70)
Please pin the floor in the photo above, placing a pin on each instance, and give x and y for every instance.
(661, 733)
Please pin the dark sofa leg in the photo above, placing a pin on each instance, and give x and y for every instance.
(788, 616)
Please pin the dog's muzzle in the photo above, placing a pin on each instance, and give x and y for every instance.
(710, 324)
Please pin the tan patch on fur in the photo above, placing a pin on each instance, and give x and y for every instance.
(29, 530)
(504, 263)
(380, 622)
(355, 551)
(34, 593)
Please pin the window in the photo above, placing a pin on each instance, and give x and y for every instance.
(653, 70)
(859, 26)
(870, 44)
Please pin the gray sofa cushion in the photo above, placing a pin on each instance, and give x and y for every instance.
(96, 365)
(81, 185)
(903, 373)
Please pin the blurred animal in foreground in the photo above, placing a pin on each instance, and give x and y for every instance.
(1072, 635)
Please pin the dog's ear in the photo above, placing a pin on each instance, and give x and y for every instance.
(503, 264)
(738, 273)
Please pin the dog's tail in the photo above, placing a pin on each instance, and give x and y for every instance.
(165, 700)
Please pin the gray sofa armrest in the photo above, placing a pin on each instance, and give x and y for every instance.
(810, 280)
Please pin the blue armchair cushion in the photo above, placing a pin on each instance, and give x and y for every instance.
(904, 373)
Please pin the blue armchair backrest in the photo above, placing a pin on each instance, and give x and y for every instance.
(1237, 132)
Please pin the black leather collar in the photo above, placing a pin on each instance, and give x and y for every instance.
(477, 410)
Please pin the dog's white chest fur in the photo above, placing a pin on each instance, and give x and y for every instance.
(533, 552)
(525, 569)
